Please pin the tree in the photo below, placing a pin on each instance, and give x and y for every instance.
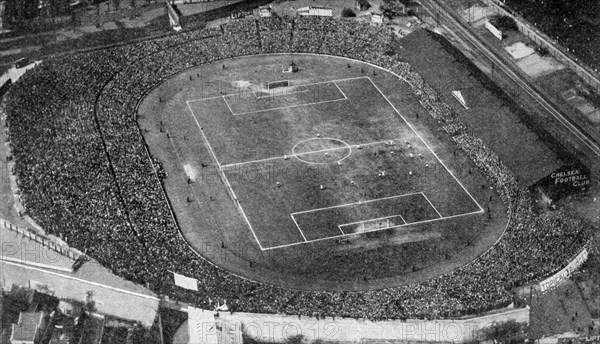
(132, 3)
(348, 12)
(392, 8)
(21, 9)
(505, 23)
(116, 4)
(364, 5)
(297, 339)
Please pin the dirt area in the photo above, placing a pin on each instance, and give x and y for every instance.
(535, 65)
(519, 50)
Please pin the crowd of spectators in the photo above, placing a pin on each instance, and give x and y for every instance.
(85, 174)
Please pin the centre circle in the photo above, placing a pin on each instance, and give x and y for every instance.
(321, 150)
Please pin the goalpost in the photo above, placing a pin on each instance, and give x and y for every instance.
(373, 224)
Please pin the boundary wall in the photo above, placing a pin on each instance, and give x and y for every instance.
(277, 328)
(66, 251)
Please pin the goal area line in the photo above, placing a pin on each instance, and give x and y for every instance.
(371, 231)
(400, 204)
(274, 95)
(254, 92)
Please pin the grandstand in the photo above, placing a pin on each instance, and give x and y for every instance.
(89, 172)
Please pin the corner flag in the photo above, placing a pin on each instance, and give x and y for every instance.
(458, 95)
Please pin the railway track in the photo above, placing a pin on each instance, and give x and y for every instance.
(463, 30)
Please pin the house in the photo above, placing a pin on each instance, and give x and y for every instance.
(63, 330)
(316, 11)
(362, 5)
(376, 18)
(411, 7)
(70, 309)
(264, 12)
(29, 329)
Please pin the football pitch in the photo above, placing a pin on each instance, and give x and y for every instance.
(324, 160)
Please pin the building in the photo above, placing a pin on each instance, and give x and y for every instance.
(264, 12)
(62, 332)
(411, 7)
(1, 15)
(29, 329)
(376, 18)
(362, 5)
(316, 11)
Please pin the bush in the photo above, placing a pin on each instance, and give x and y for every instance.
(392, 8)
(508, 332)
(297, 339)
(542, 51)
(364, 4)
(348, 12)
(505, 23)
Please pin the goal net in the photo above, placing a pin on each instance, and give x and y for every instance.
(372, 225)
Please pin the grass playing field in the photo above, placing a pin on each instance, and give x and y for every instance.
(376, 161)
(324, 183)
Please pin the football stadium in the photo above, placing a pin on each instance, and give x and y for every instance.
(300, 166)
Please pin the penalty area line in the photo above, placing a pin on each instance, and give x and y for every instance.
(256, 86)
(426, 145)
(223, 176)
(356, 203)
(374, 230)
(288, 107)
(301, 232)
(431, 204)
(229, 107)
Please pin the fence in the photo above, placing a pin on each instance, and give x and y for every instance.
(546, 42)
(278, 328)
(62, 250)
(565, 273)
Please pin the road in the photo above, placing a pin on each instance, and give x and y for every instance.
(442, 12)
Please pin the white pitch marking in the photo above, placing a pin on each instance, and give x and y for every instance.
(342, 92)
(337, 236)
(301, 232)
(226, 103)
(431, 204)
(374, 230)
(282, 94)
(306, 153)
(425, 143)
(309, 84)
(355, 203)
(288, 107)
(222, 174)
(373, 219)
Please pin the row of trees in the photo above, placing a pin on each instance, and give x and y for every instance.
(22, 10)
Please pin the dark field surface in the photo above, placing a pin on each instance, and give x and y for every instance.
(492, 116)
